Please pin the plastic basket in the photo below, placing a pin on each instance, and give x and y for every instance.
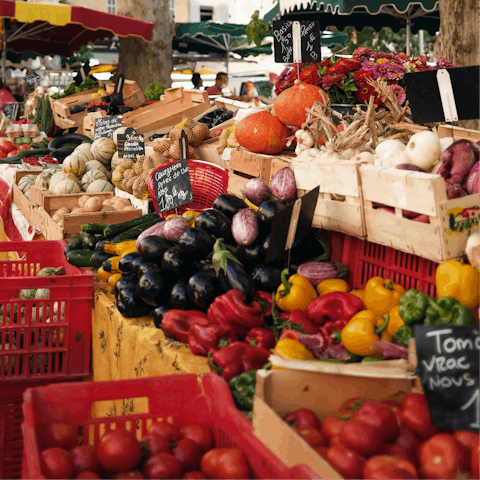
(176, 398)
(208, 182)
(48, 338)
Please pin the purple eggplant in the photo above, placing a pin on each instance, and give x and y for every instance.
(257, 191)
(245, 226)
(283, 184)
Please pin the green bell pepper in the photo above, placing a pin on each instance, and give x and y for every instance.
(413, 306)
(449, 311)
(403, 335)
(242, 388)
(371, 359)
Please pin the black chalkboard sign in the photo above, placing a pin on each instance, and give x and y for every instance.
(286, 46)
(448, 367)
(130, 144)
(32, 79)
(105, 126)
(424, 97)
(11, 110)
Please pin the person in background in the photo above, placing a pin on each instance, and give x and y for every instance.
(221, 81)
(250, 96)
(197, 81)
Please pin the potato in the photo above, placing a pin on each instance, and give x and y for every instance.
(57, 217)
(108, 201)
(62, 210)
(94, 204)
(121, 201)
(107, 208)
(129, 207)
(76, 211)
(119, 205)
(82, 200)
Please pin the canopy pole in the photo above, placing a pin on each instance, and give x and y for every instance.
(409, 32)
(4, 53)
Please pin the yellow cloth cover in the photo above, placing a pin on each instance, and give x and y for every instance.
(34, 12)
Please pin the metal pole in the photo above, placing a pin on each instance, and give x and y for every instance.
(226, 60)
(409, 32)
(4, 54)
(421, 42)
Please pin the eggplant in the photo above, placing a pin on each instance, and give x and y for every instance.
(137, 262)
(245, 226)
(125, 264)
(150, 288)
(129, 304)
(202, 264)
(176, 263)
(124, 283)
(130, 277)
(251, 255)
(203, 287)
(158, 314)
(228, 204)
(266, 278)
(148, 267)
(215, 223)
(266, 214)
(179, 297)
(197, 241)
(153, 247)
(312, 247)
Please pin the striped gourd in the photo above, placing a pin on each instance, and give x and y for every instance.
(100, 186)
(103, 149)
(83, 153)
(60, 176)
(26, 182)
(43, 180)
(66, 187)
(95, 165)
(90, 177)
(74, 164)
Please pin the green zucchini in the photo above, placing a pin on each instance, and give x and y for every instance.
(32, 153)
(76, 243)
(94, 228)
(89, 241)
(112, 230)
(72, 138)
(105, 246)
(98, 258)
(134, 232)
(80, 258)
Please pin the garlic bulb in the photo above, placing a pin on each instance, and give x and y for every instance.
(304, 139)
(364, 157)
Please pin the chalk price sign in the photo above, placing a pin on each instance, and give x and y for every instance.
(172, 186)
(130, 144)
(448, 367)
(297, 42)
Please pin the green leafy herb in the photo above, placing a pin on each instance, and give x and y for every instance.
(154, 91)
(257, 29)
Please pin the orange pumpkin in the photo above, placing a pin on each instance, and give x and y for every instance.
(290, 105)
(262, 133)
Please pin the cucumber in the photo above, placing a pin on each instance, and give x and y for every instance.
(112, 230)
(89, 241)
(94, 228)
(72, 138)
(76, 243)
(32, 153)
(37, 145)
(134, 232)
(98, 258)
(80, 258)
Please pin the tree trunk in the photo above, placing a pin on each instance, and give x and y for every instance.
(142, 61)
(458, 38)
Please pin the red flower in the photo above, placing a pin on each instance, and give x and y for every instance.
(403, 56)
(362, 52)
(292, 76)
(329, 81)
(310, 75)
(364, 92)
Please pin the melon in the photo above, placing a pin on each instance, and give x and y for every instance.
(117, 132)
(115, 162)
(74, 164)
(84, 147)
(60, 176)
(90, 177)
(262, 133)
(99, 186)
(66, 187)
(95, 165)
(26, 182)
(103, 149)
(43, 180)
(84, 154)
(290, 105)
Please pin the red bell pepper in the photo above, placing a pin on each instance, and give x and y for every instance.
(299, 317)
(330, 331)
(265, 301)
(237, 358)
(334, 306)
(176, 323)
(209, 338)
(230, 309)
(262, 337)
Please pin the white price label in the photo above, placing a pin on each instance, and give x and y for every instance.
(399, 189)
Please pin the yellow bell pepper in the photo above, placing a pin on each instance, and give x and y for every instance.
(171, 216)
(289, 348)
(296, 292)
(395, 321)
(454, 279)
(381, 295)
(360, 294)
(191, 212)
(360, 332)
(332, 285)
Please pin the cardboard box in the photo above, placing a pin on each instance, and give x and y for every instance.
(451, 221)
(279, 392)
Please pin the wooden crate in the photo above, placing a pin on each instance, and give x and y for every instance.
(451, 221)
(340, 203)
(161, 116)
(458, 133)
(210, 151)
(133, 95)
(89, 122)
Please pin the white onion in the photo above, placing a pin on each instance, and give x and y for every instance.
(424, 149)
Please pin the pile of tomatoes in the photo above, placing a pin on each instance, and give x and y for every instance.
(388, 440)
(166, 451)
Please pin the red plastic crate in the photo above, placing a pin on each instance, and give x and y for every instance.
(208, 182)
(48, 338)
(176, 398)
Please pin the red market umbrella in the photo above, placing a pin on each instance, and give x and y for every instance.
(54, 29)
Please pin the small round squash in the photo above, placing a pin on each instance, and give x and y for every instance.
(100, 186)
(93, 204)
(66, 187)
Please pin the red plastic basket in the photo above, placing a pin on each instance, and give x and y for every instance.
(208, 182)
(48, 338)
(175, 398)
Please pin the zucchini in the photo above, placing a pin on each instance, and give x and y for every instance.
(134, 232)
(106, 247)
(103, 274)
(89, 241)
(111, 264)
(98, 258)
(80, 258)
(112, 281)
(37, 145)
(94, 228)
(76, 243)
(112, 230)
(121, 248)
(61, 140)
(31, 153)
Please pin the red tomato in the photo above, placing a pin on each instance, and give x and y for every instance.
(172, 432)
(413, 400)
(84, 458)
(24, 147)
(396, 409)
(193, 476)
(312, 436)
(3, 153)
(56, 463)
(59, 435)
(86, 474)
(380, 417)
(466, 438)
(7, 146)
(331, 426)
(408, 440)
(417, 419)
(346, 462)
(225, 463)
(389, 466)
(303, 417)
(335, 441)
(322, 451)
(118, 451)
(351, 406)
(131, 475)
(154, 443)
(188, 453)
(398, 451)
(474, 460)
(361, 438)
(12, 153)
(200, 434)
(162, 465)
(439, 457)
